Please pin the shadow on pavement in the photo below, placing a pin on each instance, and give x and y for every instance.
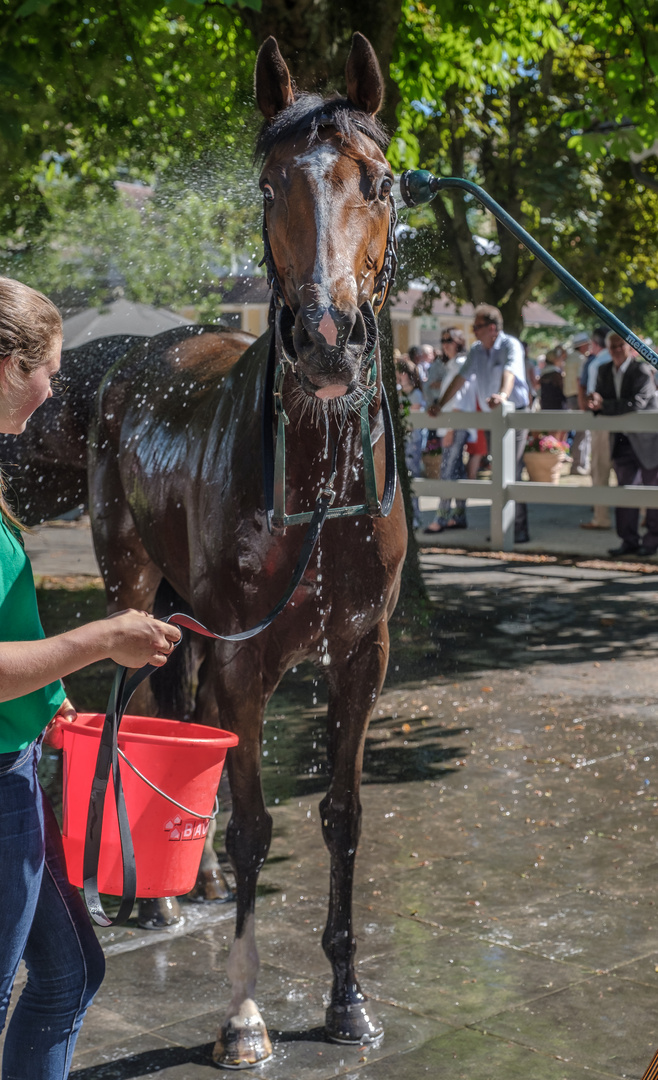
(146, 1063)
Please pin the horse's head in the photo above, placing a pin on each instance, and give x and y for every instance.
(326, 186)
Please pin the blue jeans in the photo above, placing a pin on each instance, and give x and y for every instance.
(42, 920)
(453, 468)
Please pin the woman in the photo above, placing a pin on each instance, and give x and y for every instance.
(453, 343)
(42, 918)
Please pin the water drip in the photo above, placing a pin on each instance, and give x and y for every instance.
(325, 417)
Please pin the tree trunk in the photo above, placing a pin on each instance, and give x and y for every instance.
(413, 595)
(315, 40)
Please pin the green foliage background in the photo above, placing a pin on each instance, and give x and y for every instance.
(544, 102)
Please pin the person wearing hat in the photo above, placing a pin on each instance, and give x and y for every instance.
(573, 366)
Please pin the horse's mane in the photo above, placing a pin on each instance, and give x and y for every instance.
(308, 113)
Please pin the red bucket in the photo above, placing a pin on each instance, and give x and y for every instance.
(183, 760)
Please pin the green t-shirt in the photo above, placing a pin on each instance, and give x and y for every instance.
(23, 718)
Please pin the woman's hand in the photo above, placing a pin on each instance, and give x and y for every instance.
(138, 638)
(53, 736)
(448, 439)
(131, 638)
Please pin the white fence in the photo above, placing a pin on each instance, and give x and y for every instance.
(503, 489)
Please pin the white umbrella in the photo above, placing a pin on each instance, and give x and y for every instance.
(119, 317)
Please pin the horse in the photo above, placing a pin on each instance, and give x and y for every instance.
(177, 458)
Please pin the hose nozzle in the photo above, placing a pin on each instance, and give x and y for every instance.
(418, 186)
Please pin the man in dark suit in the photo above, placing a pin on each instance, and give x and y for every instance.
(624, 385)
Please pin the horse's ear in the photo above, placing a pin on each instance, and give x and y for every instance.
(274, 90)
(365, 82)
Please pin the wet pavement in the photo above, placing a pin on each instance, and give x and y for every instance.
(505, 896)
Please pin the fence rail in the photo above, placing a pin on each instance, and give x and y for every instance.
(503, 490)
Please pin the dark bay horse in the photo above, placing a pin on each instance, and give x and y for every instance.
(177, 494)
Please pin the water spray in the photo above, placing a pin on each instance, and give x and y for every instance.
(419, 186)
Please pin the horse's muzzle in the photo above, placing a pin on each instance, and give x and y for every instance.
(329, 346)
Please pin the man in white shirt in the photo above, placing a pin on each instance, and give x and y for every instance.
(496, 361)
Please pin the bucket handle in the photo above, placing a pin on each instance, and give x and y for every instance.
(154, 787)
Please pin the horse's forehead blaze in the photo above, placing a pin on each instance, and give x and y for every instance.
(348, 228)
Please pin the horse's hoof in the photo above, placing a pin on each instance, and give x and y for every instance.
(211, 885)
(159, 912)
(352, 1024)
(242, 1041)
(242, 1048)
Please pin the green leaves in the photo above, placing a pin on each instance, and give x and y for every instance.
(543, 104)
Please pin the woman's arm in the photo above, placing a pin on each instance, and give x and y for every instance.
(131, 638)
(455, 385)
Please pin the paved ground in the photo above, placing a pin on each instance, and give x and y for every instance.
(505, 896)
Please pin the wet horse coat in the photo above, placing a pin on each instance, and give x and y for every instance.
(177, 493)
(46, 466)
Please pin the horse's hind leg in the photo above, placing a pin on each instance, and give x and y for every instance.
(242, 1040)
(353, 689)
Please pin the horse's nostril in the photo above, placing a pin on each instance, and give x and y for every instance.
(358, 334)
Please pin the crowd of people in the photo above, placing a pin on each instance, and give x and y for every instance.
(596, 372)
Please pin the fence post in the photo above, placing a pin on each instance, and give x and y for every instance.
(503, 473)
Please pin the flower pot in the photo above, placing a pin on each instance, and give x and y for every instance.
(432, 466)
(543, 467)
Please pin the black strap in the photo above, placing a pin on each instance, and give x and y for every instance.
(268, 430)
(390, 482)
(268, 437)
(108, 759)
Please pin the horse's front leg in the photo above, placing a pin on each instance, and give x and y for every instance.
(242, 1040)
(353, 690)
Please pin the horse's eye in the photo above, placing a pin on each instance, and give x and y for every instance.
(385, 188)
(268, 192)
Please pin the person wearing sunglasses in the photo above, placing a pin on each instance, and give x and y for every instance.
(497, 364)
(453, 345)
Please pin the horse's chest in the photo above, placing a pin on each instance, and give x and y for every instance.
(346, 584)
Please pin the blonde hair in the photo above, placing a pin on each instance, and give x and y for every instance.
(29, 323)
